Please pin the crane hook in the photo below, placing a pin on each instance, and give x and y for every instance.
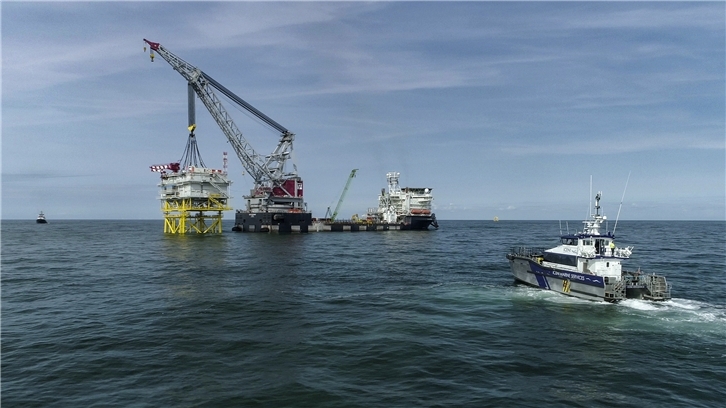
(151, 54)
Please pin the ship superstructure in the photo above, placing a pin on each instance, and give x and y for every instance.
(409, 207)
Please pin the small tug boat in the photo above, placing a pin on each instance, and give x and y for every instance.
(41, 218)
(587, 265)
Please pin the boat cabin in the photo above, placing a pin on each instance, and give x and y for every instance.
(600, 244)
(587, 253)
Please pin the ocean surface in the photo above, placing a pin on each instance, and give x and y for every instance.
(115, 313)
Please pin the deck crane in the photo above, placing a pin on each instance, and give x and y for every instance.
(342, 195)
(276, 200)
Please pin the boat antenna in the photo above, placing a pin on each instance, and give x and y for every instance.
(621, 202)
(589, 203)
(560, 227)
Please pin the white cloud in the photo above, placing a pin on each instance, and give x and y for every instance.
(490, 90)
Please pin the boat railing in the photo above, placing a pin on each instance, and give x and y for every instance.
(658, 286)
(528, 252)
(623, 252)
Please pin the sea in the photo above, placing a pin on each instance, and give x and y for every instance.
(118, 314)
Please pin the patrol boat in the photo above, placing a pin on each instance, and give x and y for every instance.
(587, 265)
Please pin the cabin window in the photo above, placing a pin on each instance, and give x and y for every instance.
(560, 258)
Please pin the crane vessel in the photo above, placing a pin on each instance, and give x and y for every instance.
(275, 202)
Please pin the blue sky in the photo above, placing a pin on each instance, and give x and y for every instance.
(504, 108)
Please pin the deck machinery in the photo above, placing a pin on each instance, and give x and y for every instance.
(275, 203)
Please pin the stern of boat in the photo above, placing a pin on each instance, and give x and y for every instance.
(647, 287)
(615, 290)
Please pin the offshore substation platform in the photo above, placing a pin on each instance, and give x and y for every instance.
(192, 195)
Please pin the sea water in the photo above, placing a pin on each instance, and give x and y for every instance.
(115, 313)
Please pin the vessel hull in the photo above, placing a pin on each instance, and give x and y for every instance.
(322, 226)
(282, 222)
(574, 284)
(417, 222)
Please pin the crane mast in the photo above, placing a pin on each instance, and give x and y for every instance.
(342, 195)
(275, 190)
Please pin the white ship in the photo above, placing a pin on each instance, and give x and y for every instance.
(587, 265)
(409, 207)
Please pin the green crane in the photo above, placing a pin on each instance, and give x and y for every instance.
(342, 196)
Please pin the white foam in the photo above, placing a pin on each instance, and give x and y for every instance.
(564, 299)
(638, 304)
(671, 313)
(551, 296)
(694, 316)
(687, 304)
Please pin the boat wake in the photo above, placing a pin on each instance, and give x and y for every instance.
(676, 310)
(639, 304)
(693, 314)
(553, 297)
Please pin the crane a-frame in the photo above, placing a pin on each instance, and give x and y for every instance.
(276, 200)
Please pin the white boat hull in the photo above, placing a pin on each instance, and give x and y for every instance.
(587, 265)
(575, 284)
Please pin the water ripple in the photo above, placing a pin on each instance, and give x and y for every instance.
(118, 314)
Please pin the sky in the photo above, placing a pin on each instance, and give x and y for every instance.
(504, 109)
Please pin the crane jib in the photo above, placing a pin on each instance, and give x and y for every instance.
(244, 104)
(153, 45)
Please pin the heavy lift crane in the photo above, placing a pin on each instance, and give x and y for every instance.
(276, 200)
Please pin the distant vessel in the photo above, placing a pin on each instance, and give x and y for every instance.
(41, 218)
(409, 207)
(587, 265)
